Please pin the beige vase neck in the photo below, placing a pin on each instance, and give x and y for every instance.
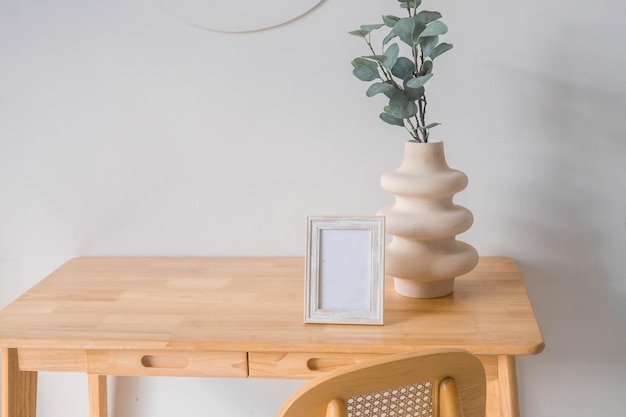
(423, 156)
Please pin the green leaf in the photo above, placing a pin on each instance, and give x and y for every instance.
(388, 118)
(365, 73)
(428, 126)
(401, 106)
(403, 68)
(357, 62)
(370, 28)
(405, 29)
(413, 3)
(414, 93)
(435, 29)
(391, 55)
(378, 88)
(419, 81)
(390, 20)
(426, 68)
(359, 33)
(439, 49)
(390, 92)
(365, 70)
(428, 44)
(425, 17)
(389, 37)
(365, 30)
(377, 58)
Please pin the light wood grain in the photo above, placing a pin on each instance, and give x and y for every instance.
(256, 305)
(19, 388)
(301, 365)
(97, 385)
(449, 400)
(167, 363)
(52, 360)
(507, 377)
(336, 408)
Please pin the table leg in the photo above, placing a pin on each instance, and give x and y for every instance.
(97, 395)
(507, 377)
(502, 397)
(19, 388)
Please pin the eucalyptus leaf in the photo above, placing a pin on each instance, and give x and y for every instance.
(404, 28)
(360, 33)
(377, 58)
(391, 55)
(389, 37)
(428, 126)
(388, 118)
(378, 88)
(370, 28)
(412, 3)
(414, 93)
(440, 49)
(401, 107)
(358, 62)
(425, 17)
(390, 92)
(419, 81)
(426, 68)
(435, 29)
(403, 68)
(365, 73)
(428, 44)
(390, 20)
(365, 70)
(417, 32)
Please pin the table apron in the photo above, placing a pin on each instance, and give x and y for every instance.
(297, 365)
(136, 362)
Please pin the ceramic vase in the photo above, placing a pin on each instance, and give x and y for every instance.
(424, 256)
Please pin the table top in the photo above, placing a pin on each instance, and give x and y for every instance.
(256, 304)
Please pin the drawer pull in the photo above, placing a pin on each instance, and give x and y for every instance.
(328, 364)
(165, 362)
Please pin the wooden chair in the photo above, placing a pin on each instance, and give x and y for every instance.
(440, 383)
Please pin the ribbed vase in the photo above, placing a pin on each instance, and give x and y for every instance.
(424, 256)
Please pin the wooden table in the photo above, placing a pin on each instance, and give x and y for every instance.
(242, 317)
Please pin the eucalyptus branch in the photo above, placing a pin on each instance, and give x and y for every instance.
(422, 101)
(418, 132)
(426, 131)
(422, 119)
(402, 79)
(413, 131)
(368, 41)
(381, 68)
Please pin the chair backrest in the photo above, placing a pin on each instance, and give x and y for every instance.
(438, 383)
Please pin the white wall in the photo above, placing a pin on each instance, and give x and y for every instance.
(124, 131)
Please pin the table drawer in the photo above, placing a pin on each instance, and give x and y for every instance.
(300, 365)
(167, 363)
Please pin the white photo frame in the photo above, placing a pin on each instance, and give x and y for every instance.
(345, 270)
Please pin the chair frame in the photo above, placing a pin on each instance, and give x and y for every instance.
(459, 384)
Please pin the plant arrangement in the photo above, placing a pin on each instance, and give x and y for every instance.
(403, 78)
